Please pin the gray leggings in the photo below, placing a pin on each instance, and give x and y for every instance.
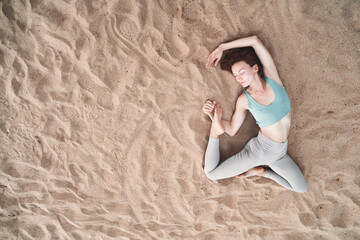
(260, 150)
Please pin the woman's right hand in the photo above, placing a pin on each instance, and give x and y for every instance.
(214, 56)
(208, 108)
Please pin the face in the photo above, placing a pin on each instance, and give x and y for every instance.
(243, 73)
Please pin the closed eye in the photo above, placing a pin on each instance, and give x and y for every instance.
(239, 72)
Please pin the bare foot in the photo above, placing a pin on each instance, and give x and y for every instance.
(256, 171)
(217, 128)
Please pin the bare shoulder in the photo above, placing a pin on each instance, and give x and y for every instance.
(242, 102)
(274, 76)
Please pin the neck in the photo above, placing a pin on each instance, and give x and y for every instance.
(258, 85)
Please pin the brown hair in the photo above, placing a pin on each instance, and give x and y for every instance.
(235, 55)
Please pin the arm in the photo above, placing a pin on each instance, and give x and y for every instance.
(215, 56)
(241, 42)
(227, 126)
(237, 118)
(261, 51)
(254, 42)
(266, 60)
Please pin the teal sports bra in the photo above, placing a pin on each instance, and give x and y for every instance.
(266, 115)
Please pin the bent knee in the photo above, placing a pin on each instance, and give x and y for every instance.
(301, 188)
(211, 176)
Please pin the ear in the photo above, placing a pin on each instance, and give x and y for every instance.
(255, 67)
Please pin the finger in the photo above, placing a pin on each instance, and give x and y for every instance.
(209, 105)
(217, 60)
(208, 61)
(209, 64)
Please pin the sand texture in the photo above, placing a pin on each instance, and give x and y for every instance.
(102, 134)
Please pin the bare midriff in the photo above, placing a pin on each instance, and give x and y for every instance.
(279, 131)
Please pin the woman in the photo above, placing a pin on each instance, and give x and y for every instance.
(265, 97)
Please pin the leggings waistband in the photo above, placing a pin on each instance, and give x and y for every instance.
(272, 145)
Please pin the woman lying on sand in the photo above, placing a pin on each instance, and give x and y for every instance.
(266, 98)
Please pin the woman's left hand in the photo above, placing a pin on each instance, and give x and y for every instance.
(214, 56)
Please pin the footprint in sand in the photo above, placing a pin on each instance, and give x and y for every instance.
(192, 12)
(324, 211)
(337, 181)
(264, 194)
(18, 11)
(176, 47)
(223, 214)
(345, 215)
(78, 127)
(129, 27)
(308, 219)
(263, 233)
(37, 147)
(32, 230)
(351, 15)
(157, 38)
(19, 82)
(5, 126)
(79, 176)
(103, 95)
(56, 128)
(49, 158)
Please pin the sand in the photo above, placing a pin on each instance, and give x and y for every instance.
(103, 137)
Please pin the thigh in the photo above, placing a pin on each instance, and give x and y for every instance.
(237, 164)
(287, 168)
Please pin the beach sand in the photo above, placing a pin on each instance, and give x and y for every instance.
(103, 137)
